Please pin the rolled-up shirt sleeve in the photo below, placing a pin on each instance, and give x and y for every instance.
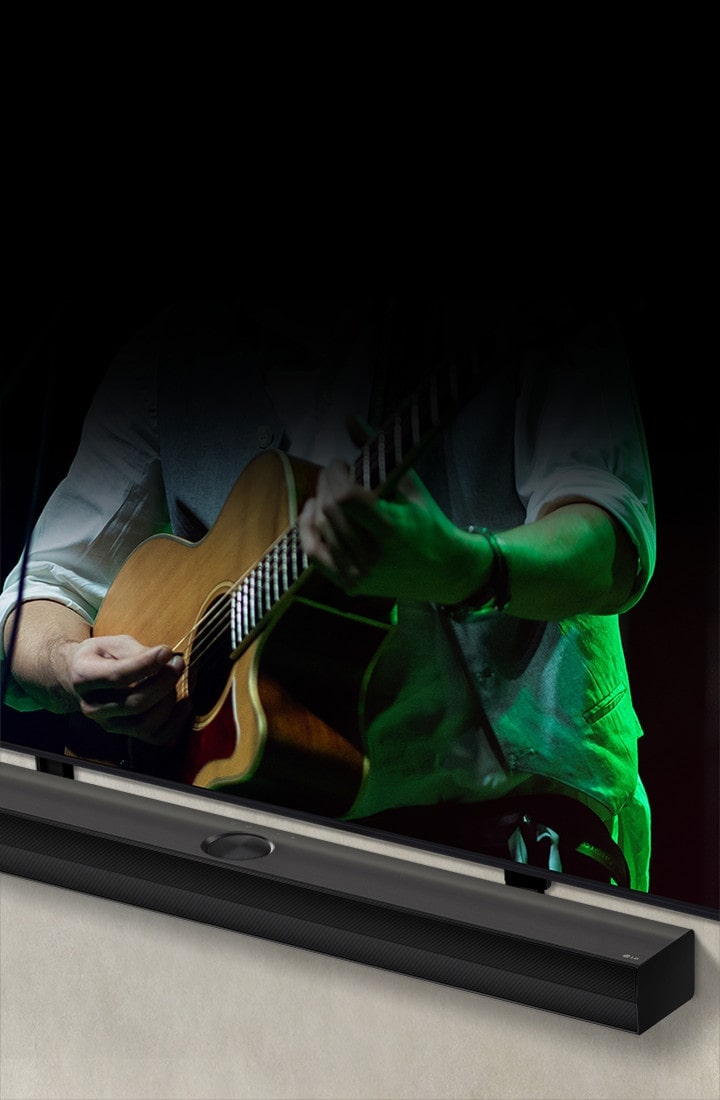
(110, 500)
(579, 434)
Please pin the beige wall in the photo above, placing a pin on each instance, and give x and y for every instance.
(102, 1000)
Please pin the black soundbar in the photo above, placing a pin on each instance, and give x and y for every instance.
(566, 957)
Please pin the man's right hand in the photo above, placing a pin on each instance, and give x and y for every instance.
(124, 686)
(128, 688)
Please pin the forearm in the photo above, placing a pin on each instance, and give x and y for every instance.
(48, 632)
(576, 559)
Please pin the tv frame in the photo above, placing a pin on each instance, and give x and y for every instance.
(110, 329)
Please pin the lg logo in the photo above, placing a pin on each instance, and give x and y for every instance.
(635, 958)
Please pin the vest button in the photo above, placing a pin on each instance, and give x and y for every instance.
(264, 436)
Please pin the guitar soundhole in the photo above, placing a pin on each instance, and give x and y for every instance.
(210, 664)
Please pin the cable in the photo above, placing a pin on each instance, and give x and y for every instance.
(34, 507)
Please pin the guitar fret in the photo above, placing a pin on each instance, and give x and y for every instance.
(376, 478)
(275, 571)
(380, 447)
(398, 441)
(303, 560)
(366, 467)
(235, 633)
(294, 554)
(258, 595)
(236, 624)
(245, 620)
(390, 453)
(259, 590)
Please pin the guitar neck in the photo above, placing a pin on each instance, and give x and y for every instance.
(381, 463)
(392, 451)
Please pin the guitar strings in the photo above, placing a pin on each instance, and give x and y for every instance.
(217, 619)
(369, 470)
(210, 626)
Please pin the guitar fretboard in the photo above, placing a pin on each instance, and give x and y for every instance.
(382, 460)
(385, 457)
(255, 597)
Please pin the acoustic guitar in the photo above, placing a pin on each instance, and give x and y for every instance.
(278, 659)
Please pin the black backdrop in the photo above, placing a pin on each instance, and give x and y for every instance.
(671, 637)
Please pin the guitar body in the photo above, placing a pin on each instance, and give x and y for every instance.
(277, 716)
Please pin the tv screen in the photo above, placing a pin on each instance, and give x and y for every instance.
(297, 692)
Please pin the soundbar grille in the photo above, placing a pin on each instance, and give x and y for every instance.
(504, 965)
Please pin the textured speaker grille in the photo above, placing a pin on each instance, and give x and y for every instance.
(333, 923)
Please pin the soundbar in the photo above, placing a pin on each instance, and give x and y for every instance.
(579, 960)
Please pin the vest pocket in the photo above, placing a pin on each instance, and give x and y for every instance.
(606, 704)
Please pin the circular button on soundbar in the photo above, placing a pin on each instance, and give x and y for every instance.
(237, 846)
